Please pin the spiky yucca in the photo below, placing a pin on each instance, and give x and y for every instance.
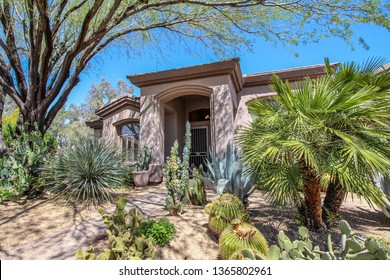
(240, 235)
(223, 210)
(85, 172)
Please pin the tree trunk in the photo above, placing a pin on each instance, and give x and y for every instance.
(312, 210)
(3, 147)
(335, 195)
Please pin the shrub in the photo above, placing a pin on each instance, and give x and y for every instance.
(21, 167)
(85, 172)
(161, 231)
(125, 239)
(127, 175)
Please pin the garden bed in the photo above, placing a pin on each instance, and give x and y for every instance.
(29, 220)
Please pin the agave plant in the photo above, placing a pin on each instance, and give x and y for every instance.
(85, 172)
(328, 133)
(226, 174)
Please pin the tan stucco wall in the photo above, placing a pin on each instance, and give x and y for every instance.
(242, 116)
(152, 117)
(110, 130)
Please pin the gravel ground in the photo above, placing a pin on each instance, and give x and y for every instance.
(27, 221)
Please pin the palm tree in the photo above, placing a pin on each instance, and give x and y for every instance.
(328, 133)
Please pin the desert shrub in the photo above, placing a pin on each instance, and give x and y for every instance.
(127, 175)
(85, 172)
(21, 167)
(125, 238)
(161, 231)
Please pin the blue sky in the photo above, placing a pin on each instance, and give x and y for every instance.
(265, 57)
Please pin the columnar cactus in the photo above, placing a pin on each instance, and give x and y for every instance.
(239, 236)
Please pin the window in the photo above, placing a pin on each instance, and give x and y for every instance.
(129, 134)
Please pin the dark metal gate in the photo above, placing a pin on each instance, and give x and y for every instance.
(199, 145)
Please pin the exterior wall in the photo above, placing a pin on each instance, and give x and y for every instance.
(222, 118)
(174, 124)
(152, 113)
(110, 131)
(243, 117)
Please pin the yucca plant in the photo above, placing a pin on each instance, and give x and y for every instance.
(85, 172)
(328, 133)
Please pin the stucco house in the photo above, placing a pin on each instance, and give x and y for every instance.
(212, 97)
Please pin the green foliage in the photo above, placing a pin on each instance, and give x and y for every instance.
(240, 236)
(127, 175)
(329, 129)
(85, 172)
(223, 210)
(143, 159)
(9, 126)
(351, 247)
(185, 164)
(160, 231)
(175, 200)
(21, 167)
(124, 237)
(226, 174)
(197, 193)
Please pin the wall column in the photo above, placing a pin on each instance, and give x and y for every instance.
(152, 134)
(222, 118)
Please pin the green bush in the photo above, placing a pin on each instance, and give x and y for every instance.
(85, 172)
(21, 167)
(161, 231)
(127, 176)
(125, 239)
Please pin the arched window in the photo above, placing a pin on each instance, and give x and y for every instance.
(129, 134)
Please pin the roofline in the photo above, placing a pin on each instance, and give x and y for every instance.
(117, 104)
(229, 67)
(95, 124)
(291, 74)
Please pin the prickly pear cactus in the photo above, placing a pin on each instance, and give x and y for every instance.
(240, 235)
(223, 210)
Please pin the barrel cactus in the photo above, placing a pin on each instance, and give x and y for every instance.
(247, 254)
(223, 210)
(240, 235)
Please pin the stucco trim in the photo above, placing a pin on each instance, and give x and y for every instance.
(125, 121)
(292, 74)
(118, 105)
(228, 67)
(96, 124)
(175, 92)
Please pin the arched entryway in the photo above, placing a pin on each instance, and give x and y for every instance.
(187, 104)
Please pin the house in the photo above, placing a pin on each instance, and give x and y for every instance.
(212, 97)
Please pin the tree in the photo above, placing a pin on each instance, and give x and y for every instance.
(331, 133)
(46, 45)
(69, 124)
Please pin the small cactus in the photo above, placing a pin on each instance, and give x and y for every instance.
(240, 235)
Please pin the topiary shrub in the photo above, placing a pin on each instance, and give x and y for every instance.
(85, 172)
(223, 210)
(160, 231)
(240, 235)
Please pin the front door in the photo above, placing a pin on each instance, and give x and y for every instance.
(199, 146)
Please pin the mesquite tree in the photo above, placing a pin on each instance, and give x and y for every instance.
(46, 44)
